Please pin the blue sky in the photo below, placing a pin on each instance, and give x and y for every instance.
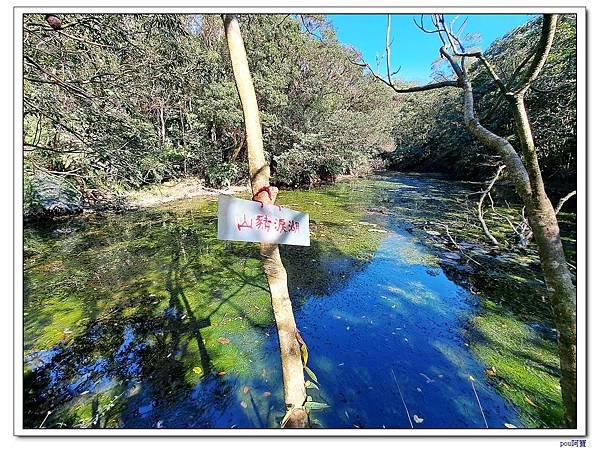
(411, 48)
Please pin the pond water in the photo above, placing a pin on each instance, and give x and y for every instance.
(394, 334)
(145, 320)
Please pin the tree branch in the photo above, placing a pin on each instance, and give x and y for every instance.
(426, 87)
(510, 82)
(542, 52)
(563, 200)
(457, 70)
(488, 67)
(60, 82)
(85, 41)
(56, 122)
(480, 206)
(50, 149)
(387, 48)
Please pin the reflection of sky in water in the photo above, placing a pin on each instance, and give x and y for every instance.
(127, 354)
(399, 312)
(407, 317)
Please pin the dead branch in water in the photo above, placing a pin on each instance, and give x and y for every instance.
(472, 380)
(402, 397)
(455, 244)
(485, 193)
(522, 229)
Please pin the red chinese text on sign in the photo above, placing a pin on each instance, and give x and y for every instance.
(243, 220)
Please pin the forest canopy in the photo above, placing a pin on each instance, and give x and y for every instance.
(117, 101)
(430, 138)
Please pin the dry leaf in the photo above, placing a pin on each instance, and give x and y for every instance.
(246, 389)
(243, 404)
(267, 394)
(223, 340)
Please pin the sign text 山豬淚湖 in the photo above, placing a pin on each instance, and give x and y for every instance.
(250, 221)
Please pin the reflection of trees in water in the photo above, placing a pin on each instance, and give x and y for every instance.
(317, 270)
(131, 342)
(138, 275)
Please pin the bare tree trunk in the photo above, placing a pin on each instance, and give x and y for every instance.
(163, 129)
(291, 360)
(182, 124)
(524, 173)
(562, 201)
(546, 232)
(544, 225)
(238, 148)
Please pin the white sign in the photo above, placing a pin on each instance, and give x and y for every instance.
(243, 220)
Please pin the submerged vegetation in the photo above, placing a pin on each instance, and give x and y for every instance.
(136, 312)
(523, 364)
(142, 318)
(513, 332)
(114, 300)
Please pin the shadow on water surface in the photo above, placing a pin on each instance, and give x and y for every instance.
(146, 320)
(151, 356)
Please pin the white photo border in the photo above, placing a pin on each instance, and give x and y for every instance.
(582, 284)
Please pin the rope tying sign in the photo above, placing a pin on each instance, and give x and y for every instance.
(266, 189)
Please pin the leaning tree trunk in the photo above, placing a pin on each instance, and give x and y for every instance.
(291, 360)
(525, 174)
(544, 225)
(542, 217)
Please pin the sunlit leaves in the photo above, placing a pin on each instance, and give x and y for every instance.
(311, 374)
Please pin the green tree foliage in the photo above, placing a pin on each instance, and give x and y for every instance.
(445, 146)
(116, 101)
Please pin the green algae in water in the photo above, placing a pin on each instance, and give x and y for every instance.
(197, 308)
(138, 301)
(511, 289)
(526, 367)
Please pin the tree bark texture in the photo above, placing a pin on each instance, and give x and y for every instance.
(526, 175)
(291, 360)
